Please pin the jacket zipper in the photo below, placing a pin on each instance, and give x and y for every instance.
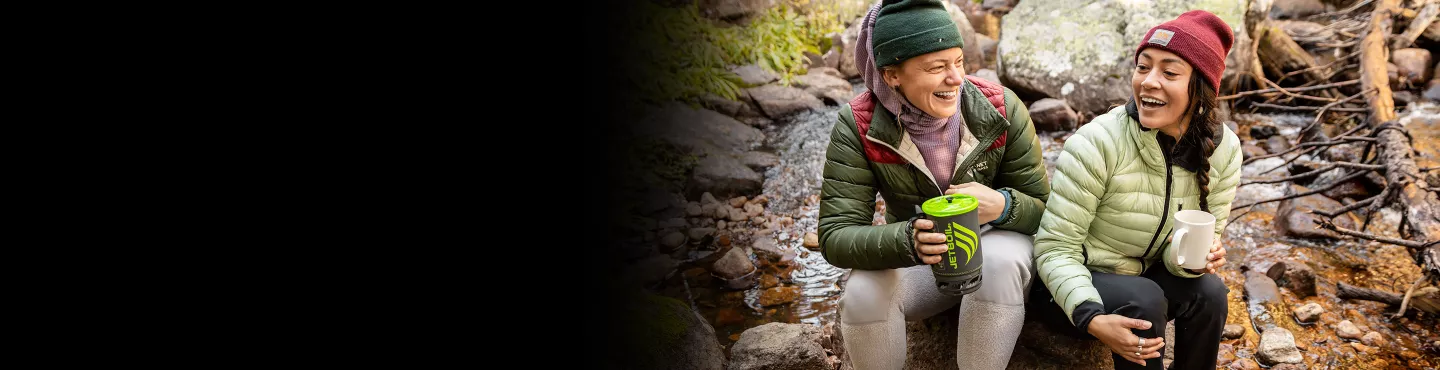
(1163, 217)
(1084, 251)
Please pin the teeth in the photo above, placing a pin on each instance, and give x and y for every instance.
(1152, 101)
(946, 94)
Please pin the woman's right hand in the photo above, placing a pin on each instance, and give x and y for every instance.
(929, 245)
(1114, 331)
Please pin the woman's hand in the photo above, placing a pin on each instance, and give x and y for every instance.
(992, 203)
(929, 245)
(1216, 258)
(1114, 331)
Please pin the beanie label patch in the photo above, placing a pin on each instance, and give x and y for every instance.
(1161, 37)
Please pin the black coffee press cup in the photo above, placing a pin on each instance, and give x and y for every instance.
(958, 272)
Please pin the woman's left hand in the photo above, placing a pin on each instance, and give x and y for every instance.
(1216, 258)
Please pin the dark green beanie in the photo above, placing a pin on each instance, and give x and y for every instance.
(907, 28)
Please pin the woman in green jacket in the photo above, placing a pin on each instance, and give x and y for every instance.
(924, 129)
(1104, 242)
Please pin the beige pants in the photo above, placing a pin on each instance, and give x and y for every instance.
(876, 304)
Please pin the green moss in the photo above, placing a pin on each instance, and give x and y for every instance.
(654, 327)
(680, 55)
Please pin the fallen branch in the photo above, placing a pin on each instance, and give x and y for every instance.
(1340, 12)
(1312, 191)
(1405, 302)
(1294, 89)
(1430, 299)
(1307, 107)
(1317, 171)
(1327, 225)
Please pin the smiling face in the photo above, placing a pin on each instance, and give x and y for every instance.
(931, 81)
(1161, 85)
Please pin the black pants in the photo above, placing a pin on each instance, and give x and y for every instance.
(1197, 305)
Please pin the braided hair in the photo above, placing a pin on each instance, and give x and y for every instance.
(1203, 125)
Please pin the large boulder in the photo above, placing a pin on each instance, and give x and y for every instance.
(833, 90)
(974, 57)
(718, 140)
(931, 346)
(777, 101)
(780, 346)
(1083, 51)
(663, 333)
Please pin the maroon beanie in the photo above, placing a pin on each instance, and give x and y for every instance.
(1199, 37)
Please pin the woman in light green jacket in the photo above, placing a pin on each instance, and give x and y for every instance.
(1101, 247)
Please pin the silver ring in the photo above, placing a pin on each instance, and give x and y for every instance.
(1137, 354)
(1142, 342)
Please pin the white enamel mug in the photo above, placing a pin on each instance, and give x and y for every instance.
(1194, 235)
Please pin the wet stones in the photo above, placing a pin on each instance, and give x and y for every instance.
(812, 241)
(1232, 331)
(1262, 132)
(1261, 291)
(735, 269)
(1372, 339)
(778, 295)
(1294, 218)
(1296, 276)
(1309, 313)
(1347, 330)
(1277, 346)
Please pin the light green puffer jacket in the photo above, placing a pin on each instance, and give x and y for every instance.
(1109, 194)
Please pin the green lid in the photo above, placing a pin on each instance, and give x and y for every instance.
(949, 205)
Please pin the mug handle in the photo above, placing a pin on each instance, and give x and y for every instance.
(1175, 243)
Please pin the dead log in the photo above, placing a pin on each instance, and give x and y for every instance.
(1427, 299)
(1374, 55)
(1422, 22)
(1279, 54)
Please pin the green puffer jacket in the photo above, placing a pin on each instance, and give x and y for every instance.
(1000, 151)
(1112, 187)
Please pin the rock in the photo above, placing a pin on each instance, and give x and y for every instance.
(732, 9)
(1261, 291)
(721, 104)
(1412, 65)
(1253, 151)
(1372, 339)
(1051, 115)
(1232, 331)
(832, 60)
(724, 239)
(1225, 357)
(812, 241)
(735, 269)
(753, 210)
(759, 199)
(663, 333)
(760, 161)
(753, 75)
(758, 221)
(996, 4)
(673, 223)
(1304, 29)
(1288, 367)
(716, 138)
(1297, 9)
(1402, 98)
(778, 295)
(1293, 217)
(1277, 346)
(693, 209)
(1277, 144)
(848, 48)
(1309, 312)
(1244, 364)
(988, 75)
(651, 270)
(813, 60)
(1347, 330)
(707, 198)
(765, 246)
(987, 52)
(737, 215)
(1432, 90)
(1262, 132)
(974, 60)
(1083, 51)
(1294, 275)
(1361, 347)
(701, 234)
(1041, 347)
(833, 89)
(779, 346)
(738, 202)
(777, 102)
(672, 240)
(827, 71)
(768, 281)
